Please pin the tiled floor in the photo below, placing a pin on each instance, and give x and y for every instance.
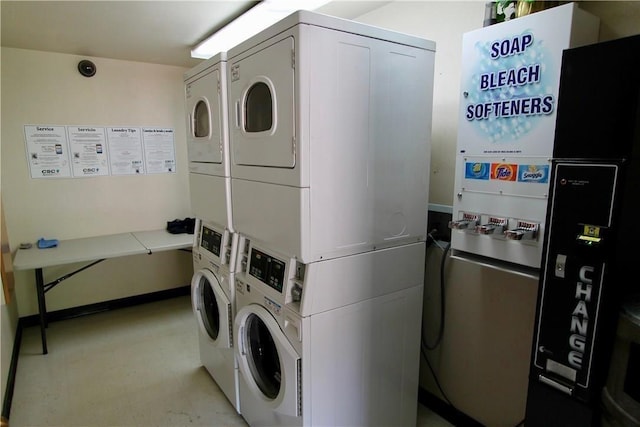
(137, 366)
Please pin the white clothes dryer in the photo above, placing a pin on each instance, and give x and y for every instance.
(213, 302)
(330, 129)
(208, 141)
(330, 343)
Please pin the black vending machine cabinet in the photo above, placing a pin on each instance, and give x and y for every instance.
(591, 255)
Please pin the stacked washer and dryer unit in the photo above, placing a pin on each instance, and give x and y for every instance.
(330, 124)
(212, 285)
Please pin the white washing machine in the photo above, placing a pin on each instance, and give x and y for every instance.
(208, 141)
(330, 343)
(213, 302)
(330, 130)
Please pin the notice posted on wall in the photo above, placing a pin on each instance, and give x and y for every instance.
(125, 150)
(55, 151)
(88, 151)
(47, 151)
(159, 152)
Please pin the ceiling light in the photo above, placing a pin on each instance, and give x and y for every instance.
(256, 19)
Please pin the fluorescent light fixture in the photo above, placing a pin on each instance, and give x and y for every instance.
(256, 19)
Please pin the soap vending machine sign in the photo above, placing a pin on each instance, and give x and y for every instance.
(508, 97)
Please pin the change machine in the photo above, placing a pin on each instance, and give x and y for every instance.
(591, 244)
(508, 100)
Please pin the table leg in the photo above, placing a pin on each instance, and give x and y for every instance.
(42, 308)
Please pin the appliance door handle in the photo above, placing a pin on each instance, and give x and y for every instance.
(241, 341)
(237, 113)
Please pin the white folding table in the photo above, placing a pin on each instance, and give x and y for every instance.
(95, 250)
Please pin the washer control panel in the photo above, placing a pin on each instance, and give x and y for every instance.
(267, 269)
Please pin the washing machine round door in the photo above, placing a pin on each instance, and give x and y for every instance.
(267, 361)
(211, 307)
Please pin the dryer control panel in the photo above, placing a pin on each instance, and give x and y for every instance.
(216, 243)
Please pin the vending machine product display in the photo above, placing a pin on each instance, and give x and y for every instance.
(509, 93)
(590, 245)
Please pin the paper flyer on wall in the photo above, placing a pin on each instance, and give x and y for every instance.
(159, 151)
(125, 151)
(88, 151)
(47, 151)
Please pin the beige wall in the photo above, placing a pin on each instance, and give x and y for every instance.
(443, 22)
(46, 88)
(483, 360)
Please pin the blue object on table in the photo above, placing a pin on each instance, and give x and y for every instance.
(47, 243)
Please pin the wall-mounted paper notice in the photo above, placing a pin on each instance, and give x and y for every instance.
(125, 150)
(159, 151)
(88, 150)
(47, 151)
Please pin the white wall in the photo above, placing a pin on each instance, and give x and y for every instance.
(46, 88)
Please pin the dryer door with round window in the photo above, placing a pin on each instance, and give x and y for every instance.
(261, 107)
(204, 131)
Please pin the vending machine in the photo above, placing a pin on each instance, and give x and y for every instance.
(508, 100)
(592, 235)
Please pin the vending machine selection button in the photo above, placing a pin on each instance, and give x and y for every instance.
(469, 222)
(494, 226)
(486, 229)
(524, 231)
